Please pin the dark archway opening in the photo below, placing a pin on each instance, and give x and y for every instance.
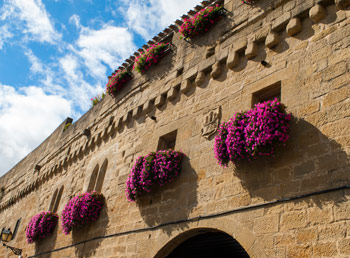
(209, 245)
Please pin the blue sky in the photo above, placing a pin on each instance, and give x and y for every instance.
(56, 54)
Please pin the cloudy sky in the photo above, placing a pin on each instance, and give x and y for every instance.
(56, 54)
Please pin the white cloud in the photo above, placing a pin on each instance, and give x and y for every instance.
(32, 14)
(147, 18)
(28, 116)
(4, 35)
(107, 46)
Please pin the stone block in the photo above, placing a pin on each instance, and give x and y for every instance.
(200, 79)
(191, 73)
(147, 107)
(172, 93)
(160, 100)
(272, 40)
(206, 64)
(186, 85)
(217, 70)
(317, 13)
(251, 50)
(281, 21)
(233, 59)
(341, 4)
(293, 220)
(325, 250)
(293, 27)
(266, 224)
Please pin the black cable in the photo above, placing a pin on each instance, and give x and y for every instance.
(251, 207)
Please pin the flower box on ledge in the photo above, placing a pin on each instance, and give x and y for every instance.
(151, 56)
(157, 168)
(201, 21)
(252, 133)
(40, 226)
(117, 81)
(82, 209)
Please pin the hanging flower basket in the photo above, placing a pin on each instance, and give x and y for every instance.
(82, 209)
(201, 21)
(40, 226)
(253, 133)
(157, 168)
(117, 81)
(152, 56)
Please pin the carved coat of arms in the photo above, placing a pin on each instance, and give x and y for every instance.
(211, 122)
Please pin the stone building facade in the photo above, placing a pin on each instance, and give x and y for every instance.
(295, 204)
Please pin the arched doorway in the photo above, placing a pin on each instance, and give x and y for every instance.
(204, 244)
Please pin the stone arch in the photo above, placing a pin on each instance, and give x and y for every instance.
(101, 176)
(192, 242)
(162, 246)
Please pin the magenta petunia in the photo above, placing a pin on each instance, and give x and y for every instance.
(151, 56)
(82, 209)
(40, 226)
(253, 133)
(201, 21)
(117, 81)
(156, 168)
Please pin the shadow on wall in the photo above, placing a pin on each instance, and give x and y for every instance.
(47, 244)
(309, 162)
(95, 229)
(171, 203)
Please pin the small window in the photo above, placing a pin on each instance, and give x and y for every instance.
(269, 93)
(101, 176)
(167, 141)
(16, 228)
(93, 179)
(56, 198)
(97, 177)
(53, 200)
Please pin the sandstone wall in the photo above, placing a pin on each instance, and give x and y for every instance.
(306, 47)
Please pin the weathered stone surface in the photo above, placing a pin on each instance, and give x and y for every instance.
(200, 79)
(312, 71)
(217, 70)
(233, 59)
(272, 40)
(341, 4)
(251, 50)
(317, 13)
(293, 27)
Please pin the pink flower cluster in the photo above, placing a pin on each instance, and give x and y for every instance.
(97, 99)
(201, 21)
(41, 225)
(82, 209)
(152, 56)
(157, 168)
(117, 81)
(252, 133)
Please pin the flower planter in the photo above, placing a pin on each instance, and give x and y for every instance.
(117, 81)
(82, 209)
(201, 22)
(40, 226)
(151, 56)
(252, 133)
(97, 99)
(157, 168)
